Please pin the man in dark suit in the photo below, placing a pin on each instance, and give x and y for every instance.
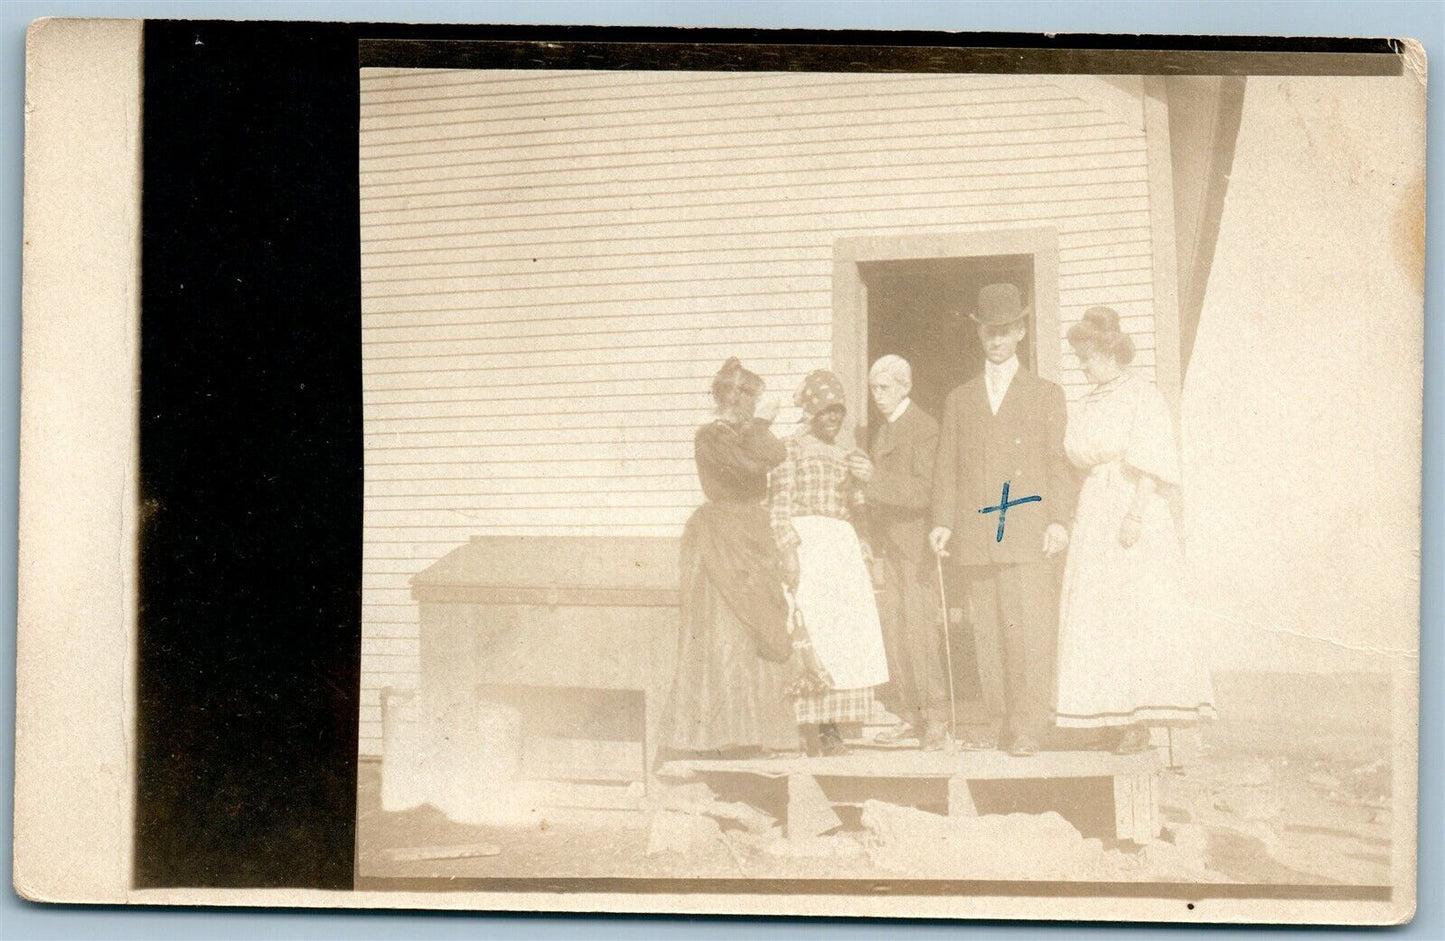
(898, 498)
(1006, 426)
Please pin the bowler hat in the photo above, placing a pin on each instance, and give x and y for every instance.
(999, 304)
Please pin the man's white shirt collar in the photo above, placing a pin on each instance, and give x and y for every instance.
(997, 379)
(898, 410)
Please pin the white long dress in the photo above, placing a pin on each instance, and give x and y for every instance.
(1126, 654)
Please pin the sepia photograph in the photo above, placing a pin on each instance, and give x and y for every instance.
(855, 476)
(733, 472)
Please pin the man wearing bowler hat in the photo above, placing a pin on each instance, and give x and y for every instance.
(1006, 427)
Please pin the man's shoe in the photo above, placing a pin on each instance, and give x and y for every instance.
(896, 734)
(974, 740)
(1023, 747)
(935, 736)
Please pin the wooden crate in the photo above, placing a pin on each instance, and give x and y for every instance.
(582, 631)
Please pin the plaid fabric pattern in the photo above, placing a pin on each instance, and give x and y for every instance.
(837, 705)
(812, 481)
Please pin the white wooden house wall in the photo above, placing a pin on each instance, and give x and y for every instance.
(555, 263)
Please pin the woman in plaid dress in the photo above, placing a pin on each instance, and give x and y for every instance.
(815, 498)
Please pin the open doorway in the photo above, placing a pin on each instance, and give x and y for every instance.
(911, 295)
(919, 308)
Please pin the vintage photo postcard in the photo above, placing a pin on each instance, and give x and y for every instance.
(960, 477)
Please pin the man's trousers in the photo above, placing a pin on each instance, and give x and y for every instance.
(1015, 615)
(917, 690)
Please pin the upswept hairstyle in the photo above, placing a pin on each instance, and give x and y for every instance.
(732, 382)
(1100, 330)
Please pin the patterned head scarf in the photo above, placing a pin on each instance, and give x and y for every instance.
(819, 391)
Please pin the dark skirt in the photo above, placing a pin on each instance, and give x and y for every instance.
(729, 691)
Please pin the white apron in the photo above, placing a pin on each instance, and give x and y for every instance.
(835, 594)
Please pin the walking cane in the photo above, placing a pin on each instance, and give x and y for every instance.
(947, 649)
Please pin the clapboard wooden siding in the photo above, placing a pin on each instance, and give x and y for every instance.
(554, 265)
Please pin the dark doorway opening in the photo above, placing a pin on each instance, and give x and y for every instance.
(918, 308)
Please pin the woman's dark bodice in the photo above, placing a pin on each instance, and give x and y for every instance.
(733, 461)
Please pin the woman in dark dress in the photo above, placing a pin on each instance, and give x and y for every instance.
(729, 693)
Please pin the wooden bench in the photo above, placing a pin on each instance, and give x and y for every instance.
(816, 786)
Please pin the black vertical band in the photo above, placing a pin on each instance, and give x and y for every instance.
(251, 457)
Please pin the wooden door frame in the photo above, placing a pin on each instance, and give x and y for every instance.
(850, 294)
(1168, 366)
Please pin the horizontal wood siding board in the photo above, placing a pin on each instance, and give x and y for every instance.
(642, 417)
(722, 138)
(998, 156)
(467, 470)
(659, 275)
(519, 519)
(869, 210)
(569, 562)
(554, 265)
(545, 598)
(1074, 167)
(698, 220)
(660, 338)
(682, 377)
(416, 508)
(490, 109)
(701, 125)
(1086, 232)
(739, 321)
(411, 87)
(1025, 166)
(636, 505)
(675, 303)
(747, 187)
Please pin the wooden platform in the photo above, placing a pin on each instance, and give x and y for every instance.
(816, 786)
(912, 763)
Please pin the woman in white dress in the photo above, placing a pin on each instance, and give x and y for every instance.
(1127, 658)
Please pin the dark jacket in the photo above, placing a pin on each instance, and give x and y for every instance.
(728, 539)
(900, 492)
(977, 451)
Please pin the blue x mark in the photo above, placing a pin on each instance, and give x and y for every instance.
(1002, 509)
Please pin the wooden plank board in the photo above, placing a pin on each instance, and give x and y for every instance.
(960, 799)
(810, 813)
(1136, 807)
(1146, 808)
(571, 759)
(413, 854)
(1124, 807)
(894, 763)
